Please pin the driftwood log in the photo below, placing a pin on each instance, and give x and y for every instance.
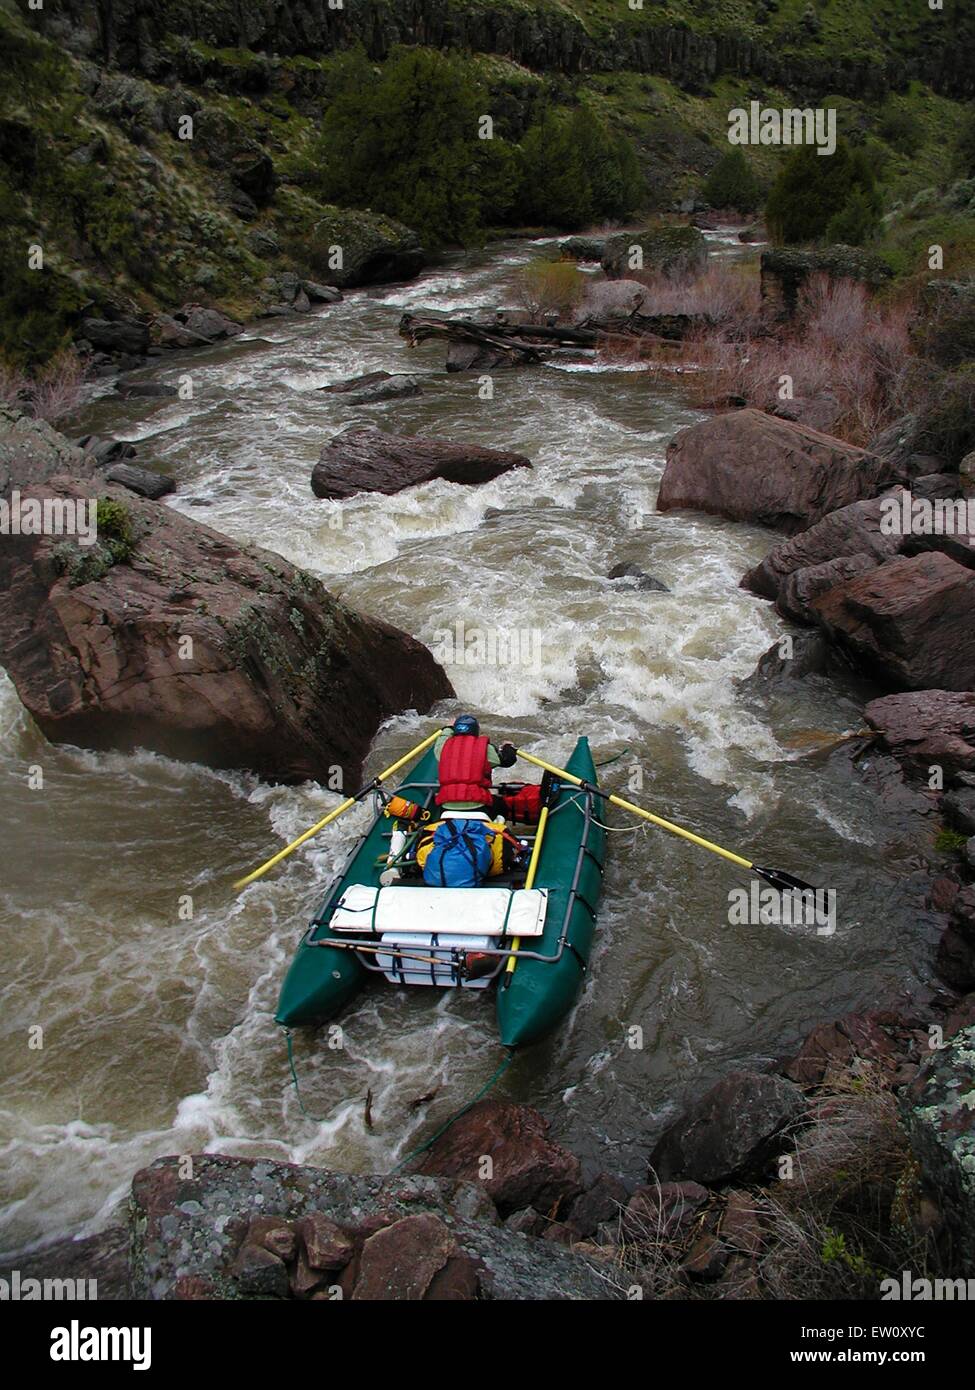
(476, 345)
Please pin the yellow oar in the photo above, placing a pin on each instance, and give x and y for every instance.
(778, 878)
(334, 815)
(530, 877)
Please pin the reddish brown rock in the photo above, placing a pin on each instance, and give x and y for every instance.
(706, 1258)
(402, 1262)
(942, 893)
(909, 622)
(851, 530)
(662, 1211)
(740, 1280)
(274, 1233)
(750, 466)
(742, 1226)
(831, 1048)
(527, 1168)
(326, 1245)
(191, 1288)
(603, 1200)
(199, 648)
(306, 1281)
(259, 1273)
(801, 589)
(365, 459)
(927, 727)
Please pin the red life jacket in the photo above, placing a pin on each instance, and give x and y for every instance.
(464, 770)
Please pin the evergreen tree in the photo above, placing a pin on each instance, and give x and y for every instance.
(812, 189)
(554, 182)
(732, 184)
(404, 142)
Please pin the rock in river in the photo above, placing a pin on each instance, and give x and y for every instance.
(749, 466)
(364, 459)
(927, 727)
(673, 249)
(169, 636)
(731, 1131)
(375, 386)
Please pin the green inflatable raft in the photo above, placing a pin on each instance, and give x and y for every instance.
(527, 933)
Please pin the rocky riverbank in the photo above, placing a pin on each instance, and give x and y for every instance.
(812, 1179)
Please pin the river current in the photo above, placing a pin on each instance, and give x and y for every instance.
(158, 1034)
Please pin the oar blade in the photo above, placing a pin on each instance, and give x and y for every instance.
(783, 881)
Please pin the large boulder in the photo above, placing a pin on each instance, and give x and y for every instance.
(525, 1167)
(786, 270)
(124, 334)
(167, 635)
(908, 622)
(731, 1131)
(939, 1116)
(415, 1259)
(927, 727)
(749, 466)
(364, 459)
(332, 1235)
(674, 249)
(32, 451)
(372, 248)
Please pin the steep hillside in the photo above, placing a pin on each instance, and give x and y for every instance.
(116, 205)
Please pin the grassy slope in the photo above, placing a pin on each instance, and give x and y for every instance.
(145, 225)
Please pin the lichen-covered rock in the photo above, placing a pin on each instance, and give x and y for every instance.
(32, 451)
(582, 248)
(674, 249)
(939, 1116)
(167, 635)
(347, 247)
(786, 269)
(415, 1237)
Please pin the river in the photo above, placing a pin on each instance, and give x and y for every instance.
(158, 1035)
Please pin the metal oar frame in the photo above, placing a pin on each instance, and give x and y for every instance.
(584, 794)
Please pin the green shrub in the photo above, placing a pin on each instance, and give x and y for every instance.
(113, 525)
(900, 129)
(553, 286)
(732, 184)
(946, 417)
(857, 222)
(949, 842)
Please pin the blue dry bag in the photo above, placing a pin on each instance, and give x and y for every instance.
(461, 854)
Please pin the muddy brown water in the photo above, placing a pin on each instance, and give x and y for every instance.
(157, 1031)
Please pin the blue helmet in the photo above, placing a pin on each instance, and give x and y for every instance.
(466, 724)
